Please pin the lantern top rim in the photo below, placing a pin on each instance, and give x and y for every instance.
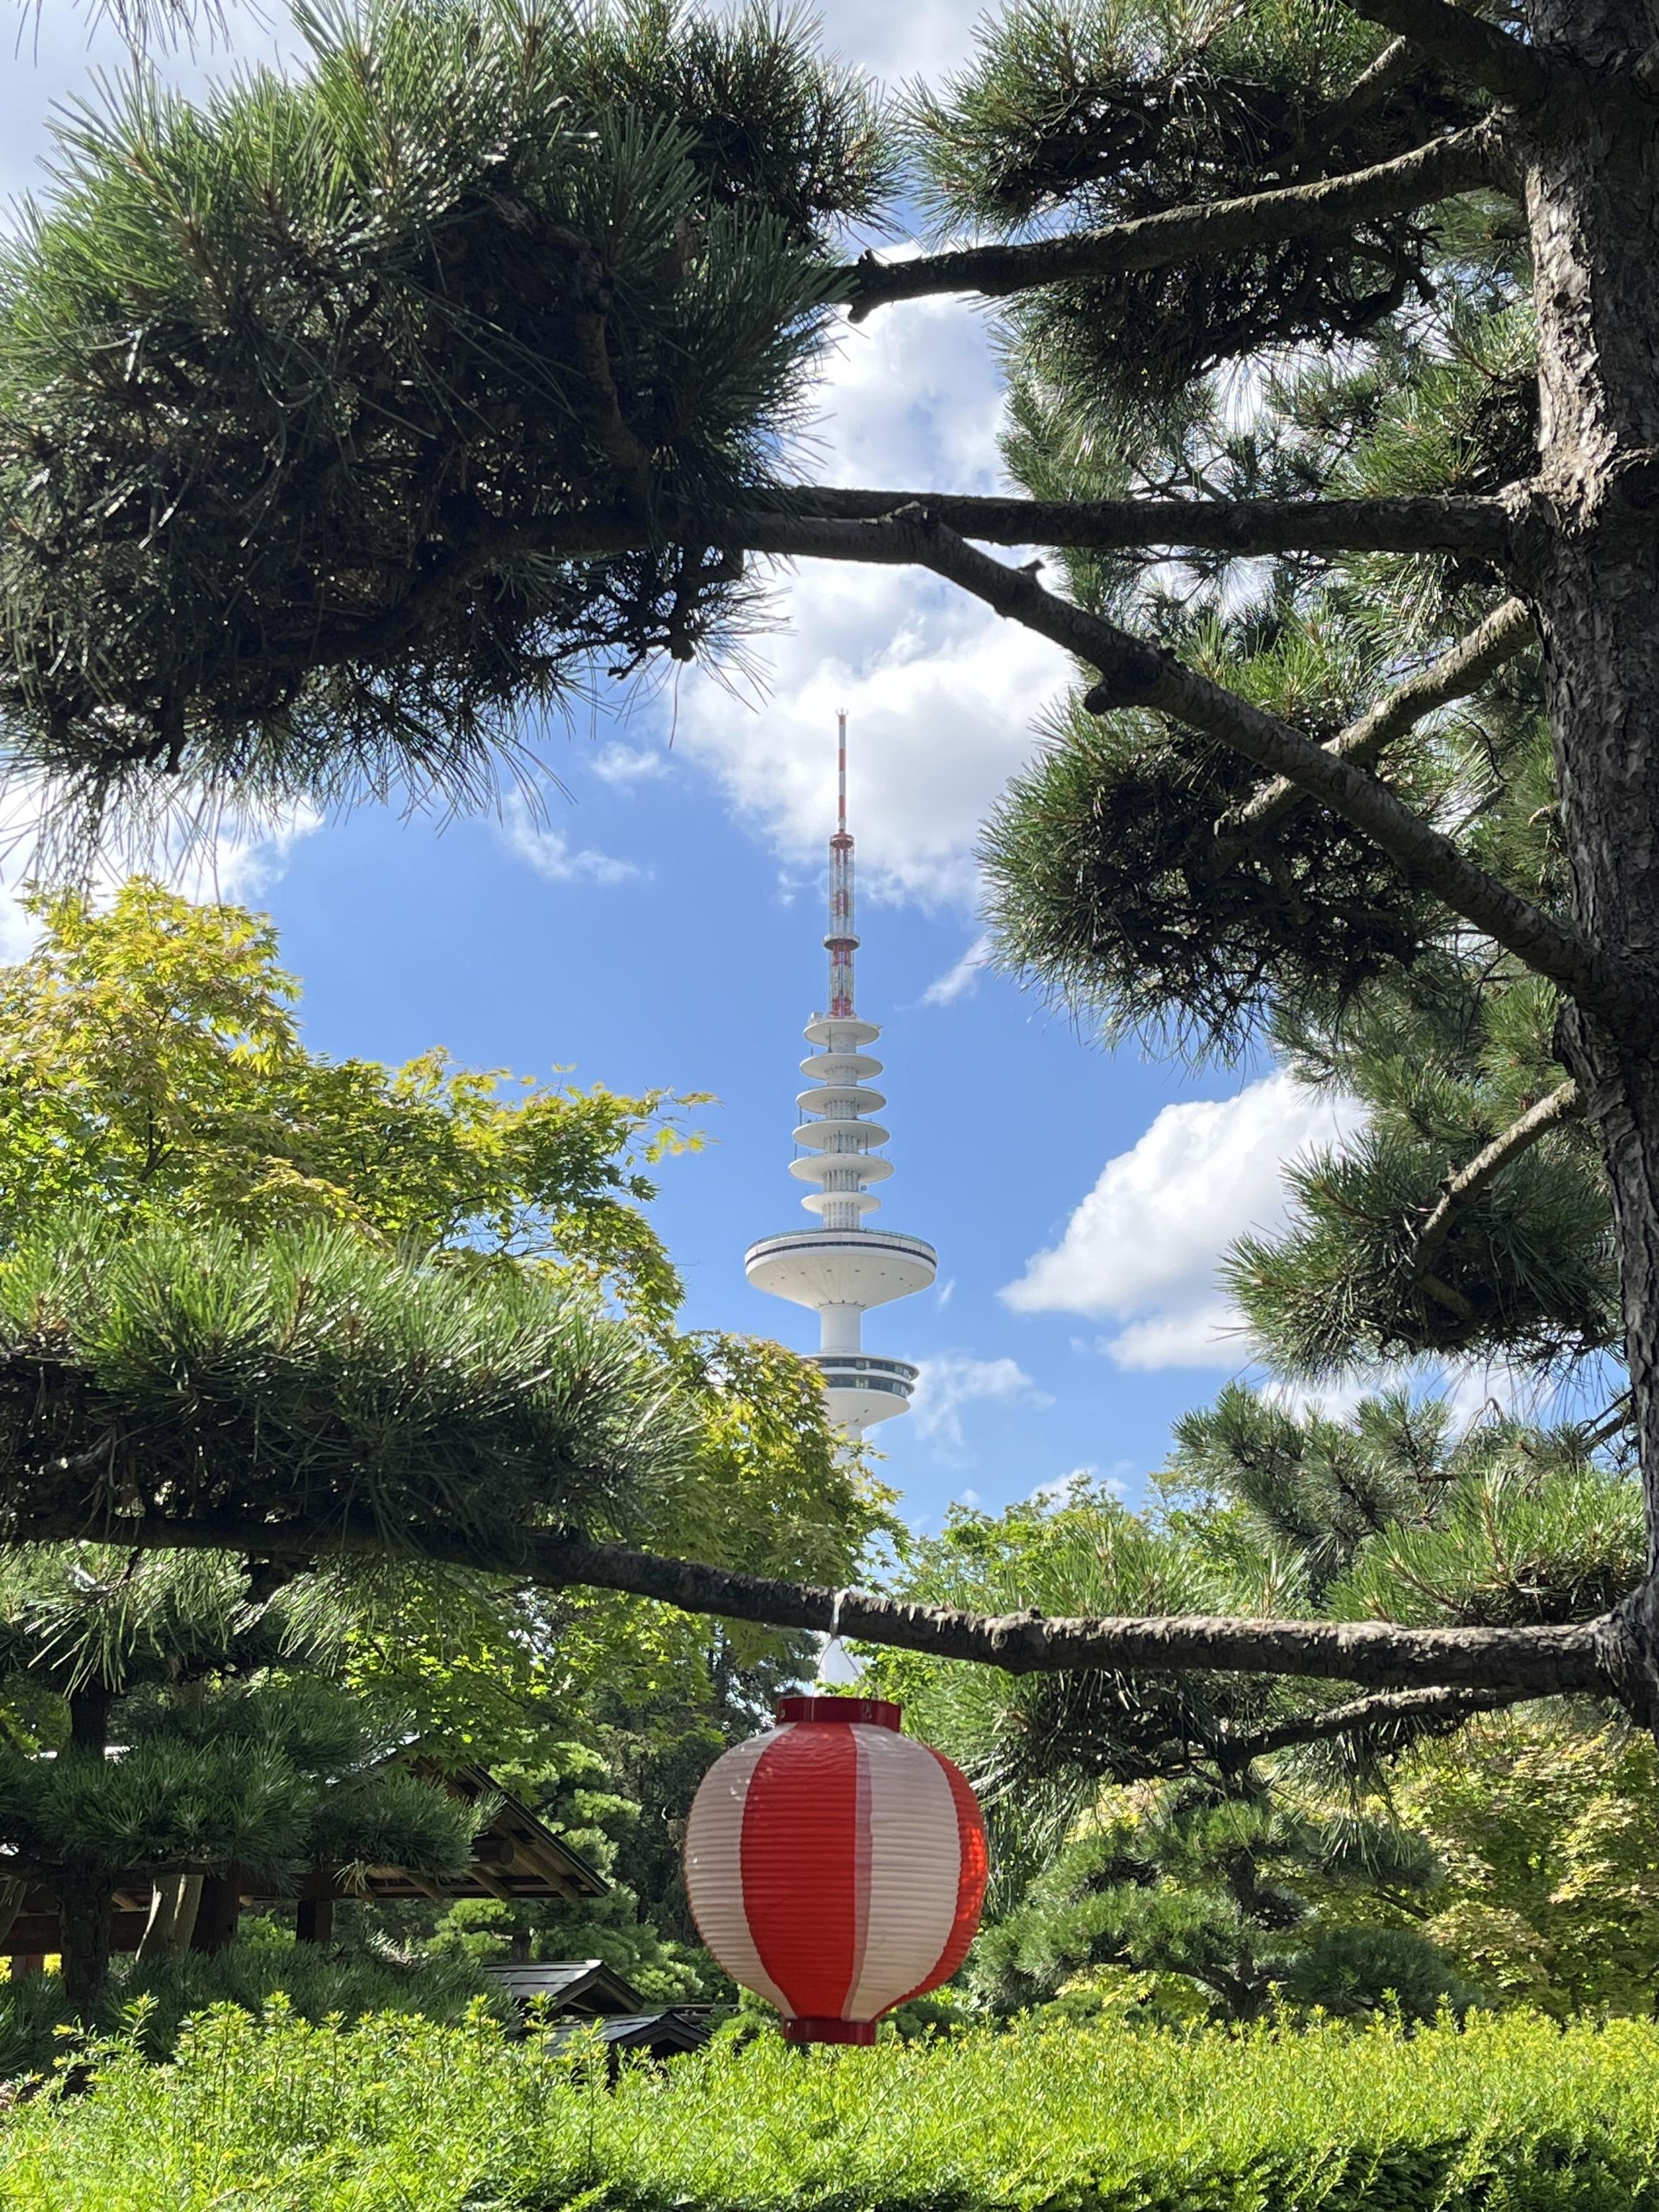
(848, 1712)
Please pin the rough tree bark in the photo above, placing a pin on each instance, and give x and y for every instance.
(1587, 558)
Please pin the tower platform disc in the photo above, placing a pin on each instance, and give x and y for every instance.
(841, 1267)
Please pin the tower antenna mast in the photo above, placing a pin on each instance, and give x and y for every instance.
(841, 943)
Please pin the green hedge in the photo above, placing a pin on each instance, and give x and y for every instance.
(162, 1996)
(1513, 2114)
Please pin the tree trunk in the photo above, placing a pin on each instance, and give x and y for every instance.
(83, 1924)
(86, 1903)
(173, 1912)
(313, 1920)
(1591, 554)
(218, 1912)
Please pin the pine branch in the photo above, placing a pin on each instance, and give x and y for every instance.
(1565, 1104)
(599, 403)
(1463, 162)
(1470, 46)
(1478, 528)
(1397, 62)
(1531, 1662)
(1133, 673)
(1248, 527)
(1440, 1709)
(1504, 632)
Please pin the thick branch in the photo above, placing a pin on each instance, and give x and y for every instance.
(1458, 163)
(1565, 1104)
(1504, 632)
(1470, 46)
(1438, 1709)
(1135, 674)
(1248, 527)
(1470, 527)
(1538, 1662)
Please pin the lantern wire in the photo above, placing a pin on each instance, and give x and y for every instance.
(833, 1640)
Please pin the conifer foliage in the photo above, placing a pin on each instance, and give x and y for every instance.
(340, 417)
(197, 1746)
(483, 266)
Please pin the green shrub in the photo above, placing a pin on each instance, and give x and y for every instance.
(315, 1983)
(1511, 2113)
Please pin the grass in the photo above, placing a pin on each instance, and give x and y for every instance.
(1512, 2114)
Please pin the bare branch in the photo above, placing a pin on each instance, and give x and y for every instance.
(1565, 1104)
(1536, 1662)
(1505, 632)
(1461, 163)
(1470, 46)
(1248, 527)
(1398, 61)
(1133, 673)
(1439, 1708)
(1617, 1416)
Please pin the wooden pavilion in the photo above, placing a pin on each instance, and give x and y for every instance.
(514, 1856)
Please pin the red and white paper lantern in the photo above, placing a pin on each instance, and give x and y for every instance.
(835, 1866)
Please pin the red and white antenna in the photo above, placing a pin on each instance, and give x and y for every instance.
(841, 943)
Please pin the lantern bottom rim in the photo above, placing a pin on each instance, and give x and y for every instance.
(829, 2031)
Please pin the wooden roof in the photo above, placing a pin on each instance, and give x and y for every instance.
(576, 1986)
(515, 1854)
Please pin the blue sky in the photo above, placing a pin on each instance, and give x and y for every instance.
(659, 923)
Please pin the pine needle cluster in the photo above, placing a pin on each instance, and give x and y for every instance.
(297, 387)
(1112, 110)
(276, 1777)
(313, 1377)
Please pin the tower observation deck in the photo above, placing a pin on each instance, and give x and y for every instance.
(843, 1267)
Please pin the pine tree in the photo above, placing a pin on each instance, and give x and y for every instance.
(344, 418)
(190, 1744)
(409, 1289)
(1240, 1900)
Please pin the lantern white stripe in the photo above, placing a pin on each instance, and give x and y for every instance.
(714, 1865)
(915, 1861)
(866, 1852)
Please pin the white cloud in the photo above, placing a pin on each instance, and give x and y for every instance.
(1143, 1247)
(952, 1380)
(956, 982)
(939, 693)
(550, 852)
(1209, 1335)
(940, 698)
(239, 861)
(1115, 1483)
(925, 38)
(628, 764)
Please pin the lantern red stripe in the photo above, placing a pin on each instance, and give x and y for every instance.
(799, 1865)
(973, 1867)
(713, 1842)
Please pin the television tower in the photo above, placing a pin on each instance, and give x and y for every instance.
(841, 1269)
